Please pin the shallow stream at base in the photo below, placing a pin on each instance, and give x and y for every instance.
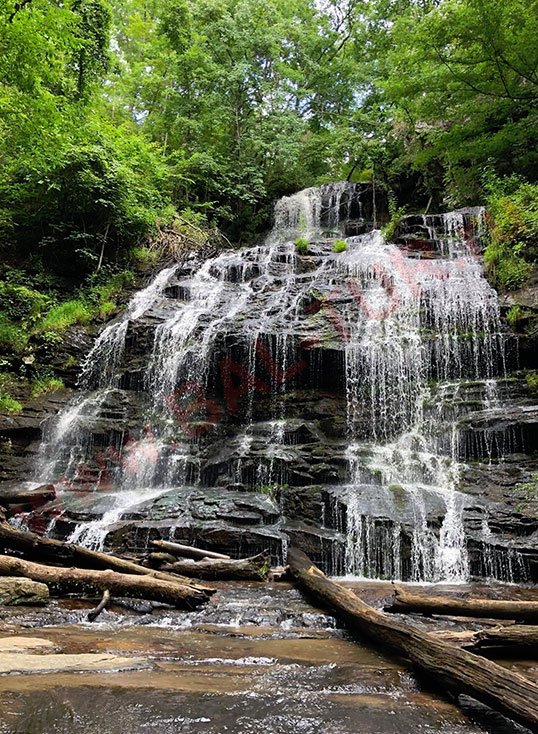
(258, 658)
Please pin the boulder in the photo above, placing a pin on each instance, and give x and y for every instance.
(15, 591)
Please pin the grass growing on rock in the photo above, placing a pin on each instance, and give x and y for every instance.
(301, 245)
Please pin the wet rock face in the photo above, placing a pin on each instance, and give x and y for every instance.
(354, 404)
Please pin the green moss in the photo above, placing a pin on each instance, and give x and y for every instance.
(301, 245)
(339, 246)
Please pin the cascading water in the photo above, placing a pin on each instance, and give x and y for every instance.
(220, 347)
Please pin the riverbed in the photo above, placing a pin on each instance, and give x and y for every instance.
(258, 658)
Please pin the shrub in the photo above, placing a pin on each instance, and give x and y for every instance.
(340, 246)
(21, 303)
(301, 245)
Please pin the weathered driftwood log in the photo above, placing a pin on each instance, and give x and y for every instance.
(255, 568)
(455, 669)
(94, 613)
(70, 580)
(187, 551)
(515, 635)
(405, 601)
(57, 552)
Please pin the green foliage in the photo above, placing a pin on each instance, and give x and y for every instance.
(12, 338)
(396, 213)
(339, 246)
(60, 318)
(107, 291)
(272, 490)
(531, 378)
(20, 303)
(461, 78)
(8, 404)
(45, 383)
(512, 249)
(145, 257)
(301, 245)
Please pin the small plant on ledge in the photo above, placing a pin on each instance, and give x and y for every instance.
(301, 245)
(340, 246)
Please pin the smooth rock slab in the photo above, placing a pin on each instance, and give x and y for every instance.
(18, 591)
(24, 644)
(19, 662)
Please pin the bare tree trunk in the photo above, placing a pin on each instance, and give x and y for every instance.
(94, 613)
(187, 551)
(255, 568)
(405, 601)
(57, 552)
(72, 580)
(516, 635)
(454, 669)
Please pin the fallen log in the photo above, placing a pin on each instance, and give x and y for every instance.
(516, 635)
(94, 613)
(255, 568)
(187, 551)
(70, 580)
(405, 601)
(17, 500)
(58, 552)
(453, 669)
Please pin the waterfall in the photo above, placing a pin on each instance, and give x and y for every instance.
(224, 350)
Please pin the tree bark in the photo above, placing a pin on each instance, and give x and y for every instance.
(516, 635)
(187, 551)
(458, 670)
(57, 552)
(72, 580)
(94, 613)
(255, 568)
(405, 601)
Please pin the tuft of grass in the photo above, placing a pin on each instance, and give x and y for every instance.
(301, 245)
(531, 378)
(60, 318)
(9, 404)
(12, 336)
(340, 246)
(45, 384)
